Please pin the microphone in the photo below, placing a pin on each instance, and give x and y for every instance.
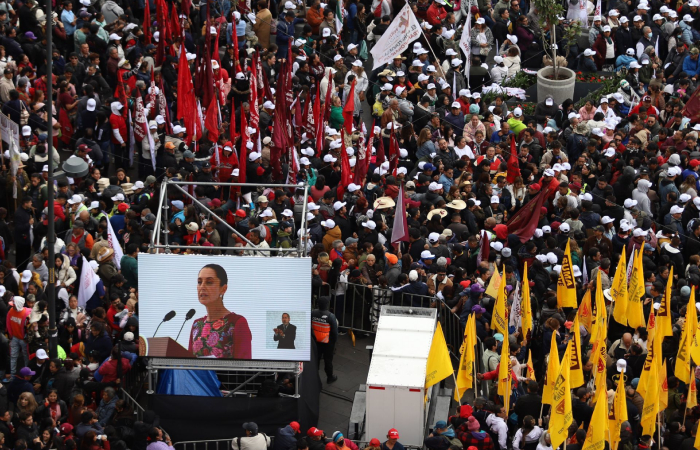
(190, 314)
(167, 317)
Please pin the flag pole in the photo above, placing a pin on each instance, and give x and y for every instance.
(474, 377)
(459, 396)
(437, 60)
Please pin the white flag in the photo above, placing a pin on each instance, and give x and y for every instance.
(465, 44)
(515, 319)
(88, 283)
(403, 30)
(15, 162)
(598, 8)
(114, 243)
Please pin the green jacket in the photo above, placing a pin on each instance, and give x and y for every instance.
(337, 119)
(130, 270)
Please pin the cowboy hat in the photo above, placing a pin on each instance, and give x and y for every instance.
(384, 202)
(105, 254)
(438, 211)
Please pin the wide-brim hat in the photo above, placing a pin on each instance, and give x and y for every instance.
(457, 204)
(439, 211)
(384, 202)
(128, 188)
(104, 254)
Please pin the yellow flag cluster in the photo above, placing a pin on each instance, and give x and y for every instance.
(439, 365)
(566, 285)
(499, 321)
(465, 373)
(663, 315)
(618, 291)
(504, 377)
(494, 284)
(561, 415)
(635, 290)
(576, 367)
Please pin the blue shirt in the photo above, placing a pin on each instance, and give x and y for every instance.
(67, 17)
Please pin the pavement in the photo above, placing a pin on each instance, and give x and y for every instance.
(351, 364)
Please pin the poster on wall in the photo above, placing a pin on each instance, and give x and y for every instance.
(225, 307)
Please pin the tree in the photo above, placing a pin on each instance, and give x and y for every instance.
(550, 15)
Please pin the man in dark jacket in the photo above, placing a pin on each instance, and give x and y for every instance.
(286, 438)
(325, 328)
(529, 404)
(24, 220)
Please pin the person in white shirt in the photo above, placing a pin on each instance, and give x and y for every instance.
(527, 435)
(497, 424)
(252, 439)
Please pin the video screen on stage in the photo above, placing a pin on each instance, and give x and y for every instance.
(225, 307)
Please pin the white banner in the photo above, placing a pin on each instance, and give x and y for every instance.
(88, 283)
(114, 243)
(403, 30)
(8, 129)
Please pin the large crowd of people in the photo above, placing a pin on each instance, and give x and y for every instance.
(275, 93)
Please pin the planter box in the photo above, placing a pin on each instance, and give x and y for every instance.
(560, 90)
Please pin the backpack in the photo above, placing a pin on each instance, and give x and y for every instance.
(453, 442)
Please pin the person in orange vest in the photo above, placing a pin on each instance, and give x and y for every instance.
(17, 332)
(325, 328)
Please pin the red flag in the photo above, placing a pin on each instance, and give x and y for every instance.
(245, 137)
(485, 248)
(234, 40)
(186, 7)
(147, 23)
(349, 108)
(524, 222)
(513, 164)
(393, 152)
(345, 169)
(381, 157)
(163, 109)
(253, 97)
(363, 162)
(162, 31)
(211, 120)
(399, 232)
(186, 103)
(298, 115)
(304, 119)
(692, 108)
(175, 22)
(215, 52)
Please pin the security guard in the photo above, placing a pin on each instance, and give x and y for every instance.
(325, 328)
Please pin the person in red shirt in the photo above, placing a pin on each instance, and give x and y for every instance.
(16, 326)
(119, 132)
(437, 12)
(224, 162)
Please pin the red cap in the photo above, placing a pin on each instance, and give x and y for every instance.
(313, 431)
(646, 98)
(543, 210)
(84, 148)
(374, 443)
(575, 186)
(555, 225)
(122, 207)
(240, 213)
(66, 429)
(535, 187)
(295, 426)
(393, 433)
(215, 203)
(465, 284)
(694, 163)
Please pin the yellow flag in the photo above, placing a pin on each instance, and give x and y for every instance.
(600, 314)
(504, 375)
(597, 433)
(692, 400)
(663, 387)
(618, 413)
(599, 360)
(566, 285)
(585, 311)
(499, 322)
(465, 373)
(664, 327)
(651, 402)
(635, 312)
(697, 441)
(561, 415)
(550, 376)
(618, 290)
(526, 307)
(690, 326)
(494, 284)
(439, 365)
(530, 366)
(651, 351)
(576, 373)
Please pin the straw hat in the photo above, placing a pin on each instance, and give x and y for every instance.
(439, 211)
(384, 202)
(457, 204)
(105, 254)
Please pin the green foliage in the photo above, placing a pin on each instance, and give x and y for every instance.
(607, 86)
(520, 80)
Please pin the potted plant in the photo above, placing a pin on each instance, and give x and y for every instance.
(553, 80)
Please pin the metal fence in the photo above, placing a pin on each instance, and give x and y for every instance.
(138, 409)
(213, 444)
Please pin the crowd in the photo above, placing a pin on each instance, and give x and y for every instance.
(279, 93)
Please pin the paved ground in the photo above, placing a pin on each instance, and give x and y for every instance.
(351, 364)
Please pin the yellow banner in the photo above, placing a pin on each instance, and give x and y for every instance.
(566, 284)
(561, 415)
(439, 365)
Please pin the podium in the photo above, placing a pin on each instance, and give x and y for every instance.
(162, 347)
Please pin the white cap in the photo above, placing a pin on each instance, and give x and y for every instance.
(430, 86)
(657, 17)
(114, 37)
(557, 167)
(512, 38)
(91, 104)
(549, 101)
(304, 161)
(328, 223)
(548, 172)
(266, 213)
(357, 63)
(551, 258)
(352, 187)
(117, 198)
(75, 199)
(480, 21)
(664, 9)
(26, 276)
(268, 105)
(564, 227)
(370, 224)
(675, 209)
(639, 232)
(688, 18)
(624, 19)
(329, 158)
(606, 28)
(311, 206)
(630, 203)
(588, 52)
(139, 185)
(606, 220)
(635, 65)
(337, 205)
(684, 198)
(456, 62)
(621, 365)
(517, 112)
(497, 246)
(614, 13)
(574, 114)
(541, 258)
(495, 199)
(598, 132)
(433, 237)
(254, 156)
(597, 19)
(26, 130)
(637, 19)
(95, 205)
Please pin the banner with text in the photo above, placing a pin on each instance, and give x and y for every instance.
(403, 30)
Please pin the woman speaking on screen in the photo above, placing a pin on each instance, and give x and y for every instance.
(221, 333)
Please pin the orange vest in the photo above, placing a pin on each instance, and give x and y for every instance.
(322, 331)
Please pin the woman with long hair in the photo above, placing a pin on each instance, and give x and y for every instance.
(425, 144)
(220, 333)
(26, 403)
(76, 409)
(53, 407)
(90, 441)
(319, 189)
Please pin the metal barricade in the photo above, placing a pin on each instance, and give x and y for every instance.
(214, 444)
(138, 409)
